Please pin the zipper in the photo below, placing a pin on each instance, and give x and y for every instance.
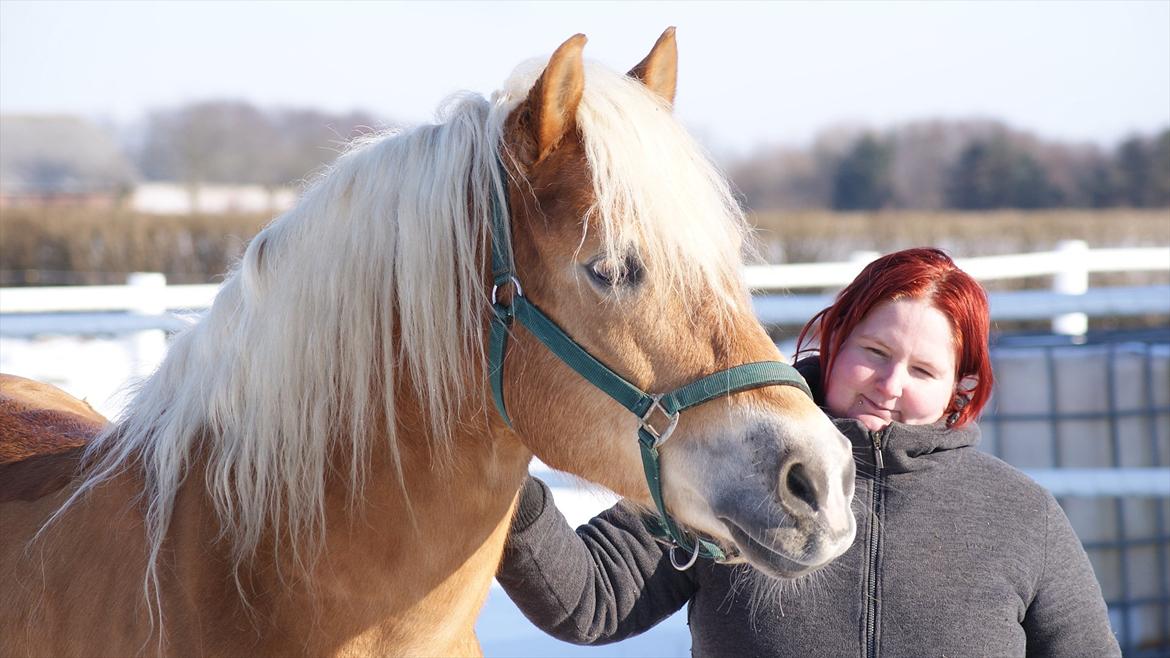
(875, 499)
(876, 437)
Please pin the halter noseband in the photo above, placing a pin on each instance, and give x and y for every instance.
(658, 414)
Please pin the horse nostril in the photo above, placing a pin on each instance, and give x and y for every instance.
(799, 485)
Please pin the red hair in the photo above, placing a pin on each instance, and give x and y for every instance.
(920, 273)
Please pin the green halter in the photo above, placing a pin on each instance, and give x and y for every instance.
(658, 413)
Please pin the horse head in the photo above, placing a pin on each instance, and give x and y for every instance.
(629, 240)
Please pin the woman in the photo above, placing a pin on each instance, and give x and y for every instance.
(956, 554)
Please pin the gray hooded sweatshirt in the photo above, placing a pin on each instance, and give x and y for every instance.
(957, 554)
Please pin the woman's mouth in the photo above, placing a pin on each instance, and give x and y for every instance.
(874, 409)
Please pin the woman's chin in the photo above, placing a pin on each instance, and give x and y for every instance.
(873, 423)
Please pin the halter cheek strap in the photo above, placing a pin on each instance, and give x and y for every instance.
(658, 414)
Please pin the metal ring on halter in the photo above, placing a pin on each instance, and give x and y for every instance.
(671, 421)
(688, 565)
(515, 284)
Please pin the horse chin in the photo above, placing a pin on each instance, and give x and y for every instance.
(790, 555)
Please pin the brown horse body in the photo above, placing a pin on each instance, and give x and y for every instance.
(182, 536)
(379, 589)
(43, 430)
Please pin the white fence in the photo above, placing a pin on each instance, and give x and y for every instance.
(146, 298)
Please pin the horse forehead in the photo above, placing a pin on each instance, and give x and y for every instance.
(564, 177)
(562, 186)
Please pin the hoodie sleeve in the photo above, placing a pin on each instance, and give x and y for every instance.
(1067, 616)
(608, 580)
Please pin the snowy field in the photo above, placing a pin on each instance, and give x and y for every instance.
(99, 369)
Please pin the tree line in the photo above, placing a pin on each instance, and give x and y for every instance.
(236, 142)
(928, 165)
(960, 165)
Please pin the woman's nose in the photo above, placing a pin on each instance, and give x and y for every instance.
(889, 382)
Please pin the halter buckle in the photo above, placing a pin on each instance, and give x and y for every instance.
(660, 437)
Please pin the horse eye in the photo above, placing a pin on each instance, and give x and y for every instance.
(611, 274)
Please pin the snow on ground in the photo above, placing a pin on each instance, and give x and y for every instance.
(100, 369)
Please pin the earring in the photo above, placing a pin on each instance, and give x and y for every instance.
(958, 404)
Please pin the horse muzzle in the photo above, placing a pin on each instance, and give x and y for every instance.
(787, 512)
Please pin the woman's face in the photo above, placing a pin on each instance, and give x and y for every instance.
(897, 365)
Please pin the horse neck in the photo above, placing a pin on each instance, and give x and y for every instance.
(406, 570)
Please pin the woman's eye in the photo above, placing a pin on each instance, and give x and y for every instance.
(610, 273)
(875, 351)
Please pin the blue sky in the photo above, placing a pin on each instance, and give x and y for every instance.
(751, 73)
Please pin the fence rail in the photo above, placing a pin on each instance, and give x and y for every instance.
(146, 299)
(1071, 257)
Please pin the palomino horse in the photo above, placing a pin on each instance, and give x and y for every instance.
(318, 468)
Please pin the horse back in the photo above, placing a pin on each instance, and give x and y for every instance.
(43, 431)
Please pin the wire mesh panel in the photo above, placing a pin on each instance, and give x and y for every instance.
(1092, 422)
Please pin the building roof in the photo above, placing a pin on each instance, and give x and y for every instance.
(56, 154)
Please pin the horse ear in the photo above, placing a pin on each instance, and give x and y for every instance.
(554, 98)
(659, 71)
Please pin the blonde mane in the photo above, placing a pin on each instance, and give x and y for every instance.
(375, 283)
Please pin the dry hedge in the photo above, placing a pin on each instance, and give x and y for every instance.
(54, 246)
